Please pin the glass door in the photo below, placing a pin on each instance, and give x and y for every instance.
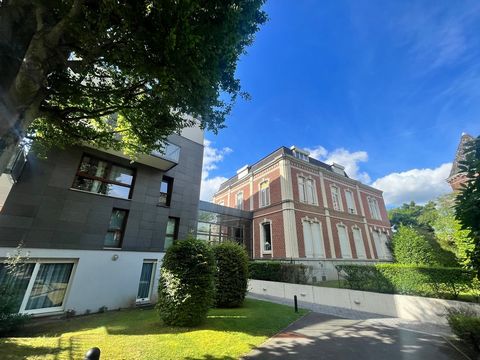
(146, 282)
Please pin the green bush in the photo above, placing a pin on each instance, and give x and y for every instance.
(231, 278)
(440, 282)
(278, 271)
(10, 320)
(410, 247)
(186, 288)
(466, 325)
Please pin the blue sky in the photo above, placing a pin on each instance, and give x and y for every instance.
(384, 88)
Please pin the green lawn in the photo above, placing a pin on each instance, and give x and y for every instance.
(140, 334)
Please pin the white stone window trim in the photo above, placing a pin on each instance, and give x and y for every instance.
(353, 209)
(345, 227)
(302, 178)
(374, 208)
(262, 237)
(312, 221)
(260, 204)
(339, 194)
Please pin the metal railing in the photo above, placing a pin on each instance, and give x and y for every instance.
(169, 152)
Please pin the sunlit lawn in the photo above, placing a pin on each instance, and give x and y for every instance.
(140, 334)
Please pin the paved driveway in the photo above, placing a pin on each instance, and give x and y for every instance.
(324, 337)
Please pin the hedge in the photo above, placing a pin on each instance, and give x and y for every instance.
(231, 277)
(186, 287)
(439, 282)
(278, 271)
(466, 325)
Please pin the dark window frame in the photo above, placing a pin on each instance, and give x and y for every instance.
(169, 180)
(123, 229)
(104, 180)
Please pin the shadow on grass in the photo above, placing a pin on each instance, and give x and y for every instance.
(13, 350)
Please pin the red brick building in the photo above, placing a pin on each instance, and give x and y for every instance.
(305, 209)
(457, 178)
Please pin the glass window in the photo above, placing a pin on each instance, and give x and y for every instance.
(344, 242)
(50, 286)
(267, 237)
(301, 188)
(350, 202)
(166, 189)
(264, 194)
(240, 200)
(378, 244)
(310, 191)
(103, 177)
(336, 198)
(359, 245)
(374, 209)
(146, 281)
(116, 228)
(171, 232)
(16, 282)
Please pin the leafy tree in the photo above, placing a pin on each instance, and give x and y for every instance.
(448, 230)
(467, 208)
(410, 247)
(418, 216)
(79, 70)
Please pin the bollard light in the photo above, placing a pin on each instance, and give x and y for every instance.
(93, 354)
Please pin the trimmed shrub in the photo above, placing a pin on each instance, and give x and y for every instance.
(231, 278)
(466, 325)
(278, 271)
(410, 247)
(186, 288)
(440, 282)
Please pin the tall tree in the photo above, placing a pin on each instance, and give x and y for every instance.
(88, 70)
(467, 208)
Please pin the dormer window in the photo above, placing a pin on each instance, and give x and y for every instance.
(300, 154)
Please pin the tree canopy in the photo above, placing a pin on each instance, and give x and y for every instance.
(80, 70)
(467, 208)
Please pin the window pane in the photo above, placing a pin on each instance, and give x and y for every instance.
(145, 281)
(171, 226)
(50, 286)
(121, 174)
(115, 190)
(168, 242)
(113, 239)
(203, 227)
(16, 283)
(267, 239)
(164, 187)
(117, 219)
(215, 229)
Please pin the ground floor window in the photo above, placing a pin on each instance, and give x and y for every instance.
(146, 281)
(267, 237)
(313, 239)
(38, 287)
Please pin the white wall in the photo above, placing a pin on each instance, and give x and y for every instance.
(97, 280)
(405, 307)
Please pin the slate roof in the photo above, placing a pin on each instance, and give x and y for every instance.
(270, 157)
(460, 154)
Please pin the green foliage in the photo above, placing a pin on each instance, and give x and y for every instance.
(466, 325)
(151, 62)
(449, 232)
(467, 208)
(413, 215)
(278, 271)
(439, 282)
(231, 278)
(10, 320)
(409, 247)
(186, 287)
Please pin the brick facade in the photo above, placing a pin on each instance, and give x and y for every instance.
(287, 214)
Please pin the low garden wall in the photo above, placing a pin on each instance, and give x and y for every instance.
(405, 307)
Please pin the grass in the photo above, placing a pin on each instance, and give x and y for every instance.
(140, 334)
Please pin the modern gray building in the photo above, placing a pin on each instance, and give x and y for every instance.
(93, 225)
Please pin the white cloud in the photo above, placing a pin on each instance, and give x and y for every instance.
(211, 157)
(341, 156)
(419, 185)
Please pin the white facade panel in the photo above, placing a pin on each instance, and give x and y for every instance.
(100, 277)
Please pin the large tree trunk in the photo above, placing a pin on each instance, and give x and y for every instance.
(32, 61)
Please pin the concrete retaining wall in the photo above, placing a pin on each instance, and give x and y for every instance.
(405, 307)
